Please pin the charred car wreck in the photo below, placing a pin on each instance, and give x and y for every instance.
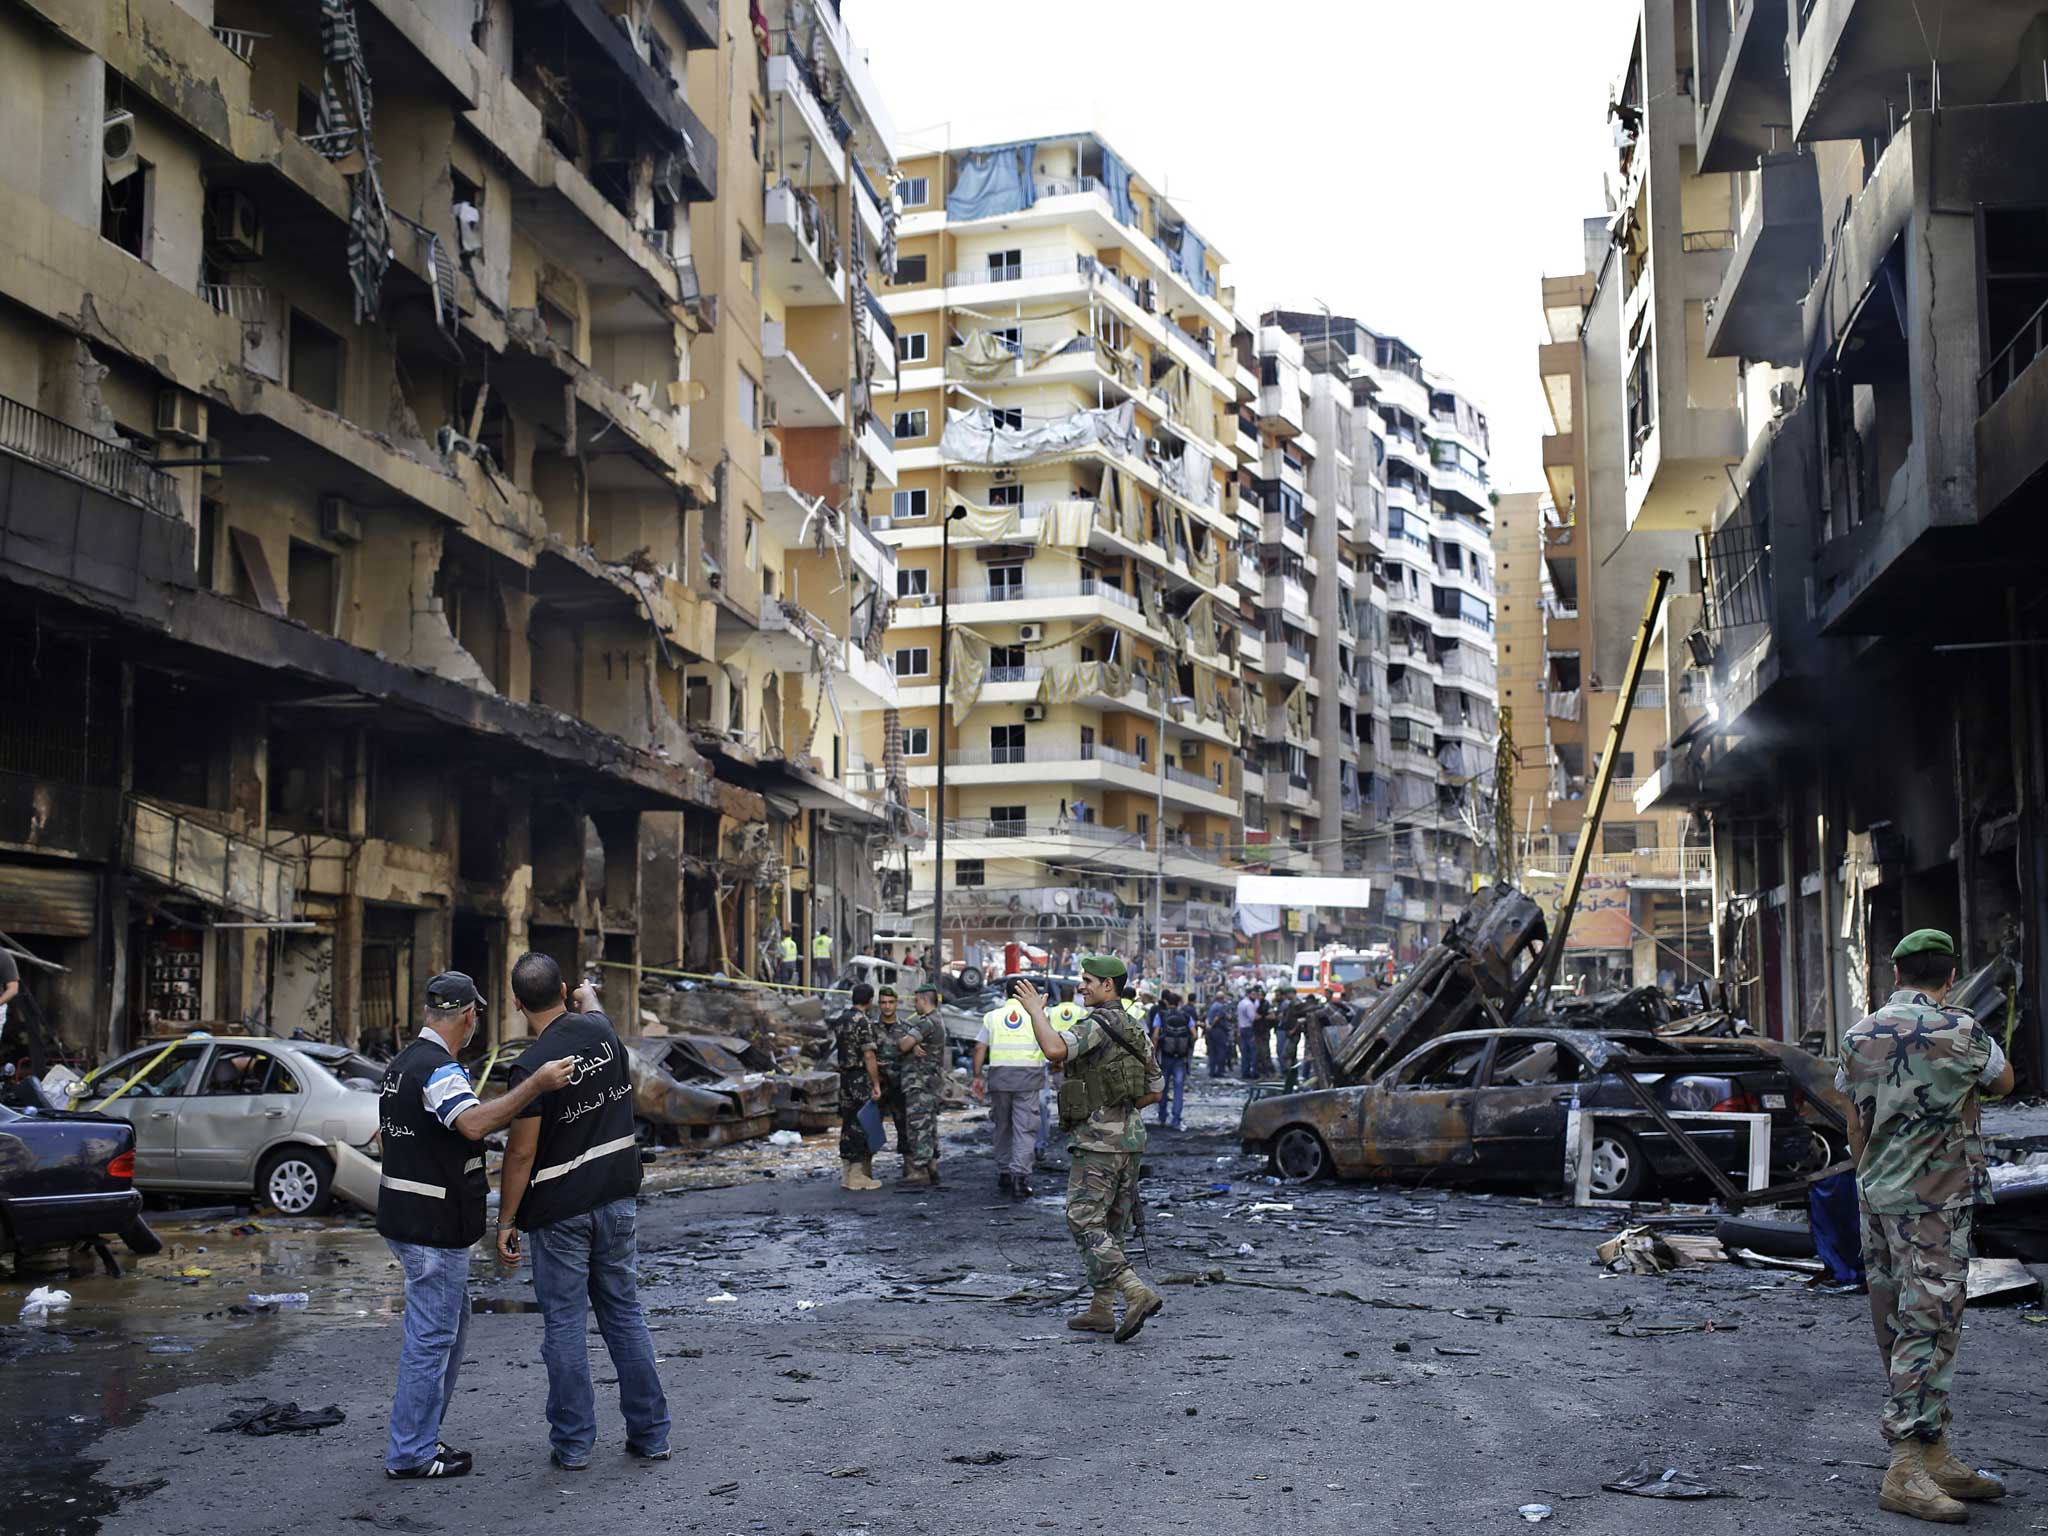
(1462, 1074)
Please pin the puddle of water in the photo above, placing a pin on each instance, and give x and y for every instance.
(126, 1341)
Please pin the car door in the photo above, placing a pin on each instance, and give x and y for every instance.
(1418, 1116)
(154, 1105)
(250, 1096)
(1520, 1110)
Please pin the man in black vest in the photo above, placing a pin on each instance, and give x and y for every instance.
(572, 1175)
(430, 1209)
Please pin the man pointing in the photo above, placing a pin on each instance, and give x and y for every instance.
(571, 1178)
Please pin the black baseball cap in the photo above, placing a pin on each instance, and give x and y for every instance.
(452, 991)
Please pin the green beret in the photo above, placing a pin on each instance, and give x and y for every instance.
(926, 986)
(1103, 965)
(886, 992)
(1924, 941)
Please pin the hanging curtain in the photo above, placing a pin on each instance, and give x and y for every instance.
(1069, 524)
(966, 673)
(1116, 181)
(993, 182)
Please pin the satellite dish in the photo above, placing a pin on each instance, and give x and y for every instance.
(1062, 898)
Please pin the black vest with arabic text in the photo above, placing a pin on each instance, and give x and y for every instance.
(588, 1155)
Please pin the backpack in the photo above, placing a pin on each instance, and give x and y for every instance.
(1176, 1035)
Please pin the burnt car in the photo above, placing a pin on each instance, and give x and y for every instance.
(1490, 1106)
(68, 1178)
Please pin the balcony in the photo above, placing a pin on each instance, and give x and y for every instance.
(877, 449)
(880, 332)
(1743, 94)
(799, 260)
(804, 144)
(1756, 314)
(28, 434)
(182, 853)
(1280, 410)
(798, 399)
(1851, 60)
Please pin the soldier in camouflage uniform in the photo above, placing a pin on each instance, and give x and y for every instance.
(1914, 1070)
(921, 1051)
(860, 1082)
(889, 1058)
(1110, 1077)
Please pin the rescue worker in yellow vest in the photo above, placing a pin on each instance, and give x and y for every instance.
(1110, 1078)
(788, 955)
(1009, 1071)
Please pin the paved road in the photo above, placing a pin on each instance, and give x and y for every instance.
(1372, 1359)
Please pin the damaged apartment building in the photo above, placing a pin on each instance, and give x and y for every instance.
(366, 553)
(1830, 225)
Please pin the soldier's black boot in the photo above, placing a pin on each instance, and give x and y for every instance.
(1020, 1186)
(1003, 1182)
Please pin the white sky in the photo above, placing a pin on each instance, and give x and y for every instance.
(1419, 164)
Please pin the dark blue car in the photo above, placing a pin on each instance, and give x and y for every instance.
(68, 1178)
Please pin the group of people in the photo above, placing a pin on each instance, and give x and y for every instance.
(893, 1063)
(1114, 1057)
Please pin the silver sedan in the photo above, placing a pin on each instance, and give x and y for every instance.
(244, 1115)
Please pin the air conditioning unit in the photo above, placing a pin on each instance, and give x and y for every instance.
(660, 239)
(117, 145)
(338, 520)
(469, 229)
(234, 226)
(1190, 748)
(771, 414)
(180, 416)
(1033, 713)
(1030, 632)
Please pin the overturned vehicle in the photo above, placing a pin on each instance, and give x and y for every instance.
(1460, 1075)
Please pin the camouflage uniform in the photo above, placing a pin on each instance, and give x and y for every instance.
(889, 1062)
(920, 1078)
(856, 1033)
(1103, 1153)
(1911, 1069)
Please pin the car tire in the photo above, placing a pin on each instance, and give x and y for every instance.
(1620, 1170)
(296, 1181)
(646, 1132)
(1299, 1155)
(137, 1237)
(971, 978)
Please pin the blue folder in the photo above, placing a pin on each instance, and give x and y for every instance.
(871, 1127)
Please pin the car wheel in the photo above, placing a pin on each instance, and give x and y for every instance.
(1299, 1155)
(1827, 1150)
(296, 1181)
(138, 1238)
(1619, 1169)
(646, 1132)
(971, 978)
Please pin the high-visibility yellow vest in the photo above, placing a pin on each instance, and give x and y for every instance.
(821, 947)
(1134, 1009)
(788, 947)
(1011, 1041)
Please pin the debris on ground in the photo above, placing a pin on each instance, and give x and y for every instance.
(1644, 1251)
(272, 1418)
(2001, 1280)
(44, 1303)
(1647, 1480)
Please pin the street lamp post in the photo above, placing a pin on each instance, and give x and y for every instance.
(1159, 823)
(938, 954)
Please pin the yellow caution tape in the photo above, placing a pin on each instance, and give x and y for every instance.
(147, 1068)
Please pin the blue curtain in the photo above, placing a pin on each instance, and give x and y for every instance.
(993, 182)
(1116, 177)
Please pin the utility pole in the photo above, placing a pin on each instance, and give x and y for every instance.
(938, 954)
(1159, 816)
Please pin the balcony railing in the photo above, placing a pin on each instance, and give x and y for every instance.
(28, 433)
(2013, 358)
(241, 43)
(881, 316)
(1035, 591)
(1193, 780)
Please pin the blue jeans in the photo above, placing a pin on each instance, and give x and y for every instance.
(1248, 1053)
(1171, 1097)
(588, 1264)
(436, 1322)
